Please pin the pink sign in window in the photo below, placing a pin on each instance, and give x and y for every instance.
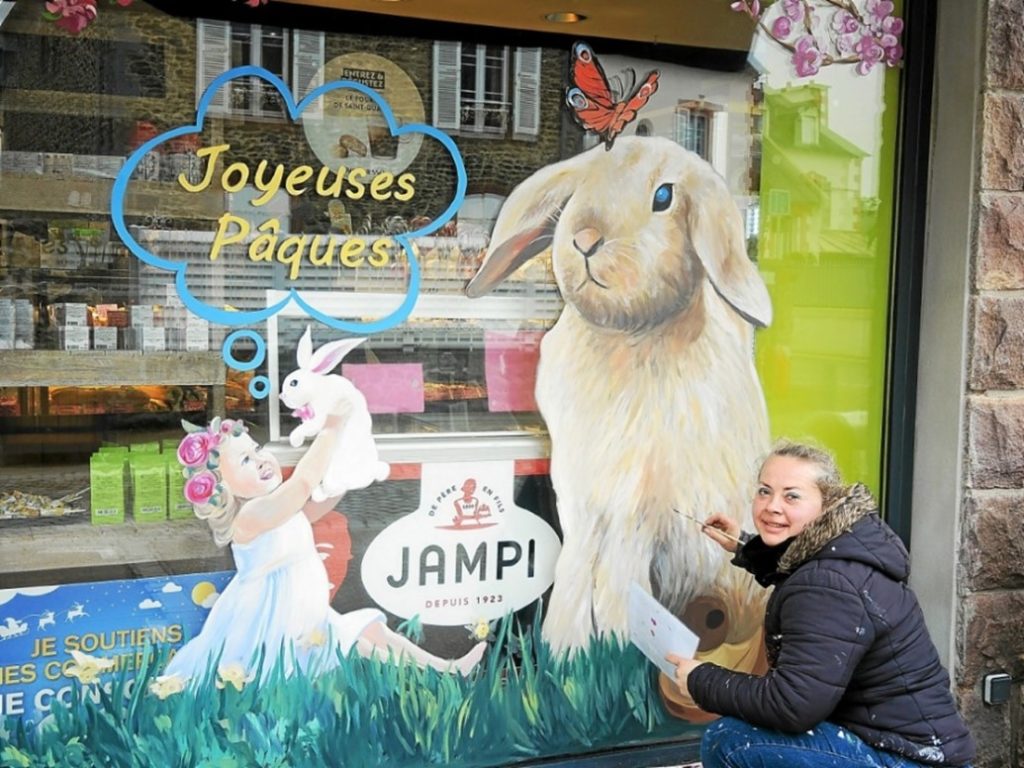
(510, 367)
(388, 387)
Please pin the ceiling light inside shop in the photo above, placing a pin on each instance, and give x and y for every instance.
(565, 17)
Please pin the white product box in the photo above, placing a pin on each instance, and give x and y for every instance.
(142, 315)
(153, 339)
(104, 338)
(73, 337)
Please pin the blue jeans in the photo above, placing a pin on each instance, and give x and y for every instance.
(732, 743)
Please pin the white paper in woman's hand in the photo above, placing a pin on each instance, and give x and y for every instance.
(656, 632)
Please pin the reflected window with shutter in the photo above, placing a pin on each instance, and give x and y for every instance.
(483, 96)
(476, 92)
(295, 57)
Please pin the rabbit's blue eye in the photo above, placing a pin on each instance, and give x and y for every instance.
(662, 198)
(293, 383)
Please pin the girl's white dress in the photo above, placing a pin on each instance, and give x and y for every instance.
(277, 605)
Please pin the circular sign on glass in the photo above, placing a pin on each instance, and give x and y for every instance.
(351, 130)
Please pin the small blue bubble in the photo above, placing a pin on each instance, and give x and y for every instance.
(242, 365)
(259, 387)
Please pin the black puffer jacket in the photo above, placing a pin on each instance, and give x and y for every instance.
(846, 642)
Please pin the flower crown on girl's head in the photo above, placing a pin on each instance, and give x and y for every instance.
(200, 458)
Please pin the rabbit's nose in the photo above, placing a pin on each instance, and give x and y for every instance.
(587, 241)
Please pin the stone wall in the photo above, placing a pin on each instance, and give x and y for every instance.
(991, 577)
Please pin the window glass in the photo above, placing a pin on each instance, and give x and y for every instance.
(522, 261)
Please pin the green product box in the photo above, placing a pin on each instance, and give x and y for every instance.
(116, 453)
(152, 446)
(149, 488)
(106, 489)
(178, 507)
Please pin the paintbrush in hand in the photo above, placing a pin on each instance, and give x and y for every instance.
(702, 524)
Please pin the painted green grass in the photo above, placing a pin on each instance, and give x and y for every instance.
(364, 713)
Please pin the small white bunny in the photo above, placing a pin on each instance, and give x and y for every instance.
(313, 393)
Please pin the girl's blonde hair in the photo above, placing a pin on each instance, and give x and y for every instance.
(220, 516)
(828, 478)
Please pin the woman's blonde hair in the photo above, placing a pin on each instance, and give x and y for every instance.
(828, 478)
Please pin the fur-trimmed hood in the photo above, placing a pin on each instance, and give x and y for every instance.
(849, 529)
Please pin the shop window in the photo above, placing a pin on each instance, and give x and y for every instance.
(101, 359)
(693, 128)
(472, 85)
(295, 56)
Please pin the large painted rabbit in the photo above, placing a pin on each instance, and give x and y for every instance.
(647, 385)
(313, 393)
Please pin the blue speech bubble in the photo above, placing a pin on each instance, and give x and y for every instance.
(230, 317)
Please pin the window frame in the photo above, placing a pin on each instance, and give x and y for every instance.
(685, 116)
(481, 102)
(519, 100)
(256, 89)
(302, 62)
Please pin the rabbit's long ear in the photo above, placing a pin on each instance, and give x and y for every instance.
(305, 348)
(329, 355)
(716, 231)
(526, 222)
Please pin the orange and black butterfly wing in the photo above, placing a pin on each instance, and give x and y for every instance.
(591, 101)
(588, 75)
(635, 103)
(589, 96)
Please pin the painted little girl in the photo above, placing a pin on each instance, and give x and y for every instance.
(276, 609)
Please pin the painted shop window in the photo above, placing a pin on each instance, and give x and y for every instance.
(472, 84)
(551, 293)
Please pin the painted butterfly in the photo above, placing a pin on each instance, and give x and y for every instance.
(601, 107)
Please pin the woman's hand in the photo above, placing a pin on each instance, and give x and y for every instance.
(716, 525)
(684, 667)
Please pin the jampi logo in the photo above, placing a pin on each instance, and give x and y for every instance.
(470, 510)
(467, 553)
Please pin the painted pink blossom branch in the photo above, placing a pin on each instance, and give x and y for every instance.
(863, 35)
(75, 15)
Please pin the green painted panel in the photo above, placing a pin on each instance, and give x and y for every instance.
(825, 250)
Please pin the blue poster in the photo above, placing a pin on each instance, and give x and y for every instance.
(50, 636)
